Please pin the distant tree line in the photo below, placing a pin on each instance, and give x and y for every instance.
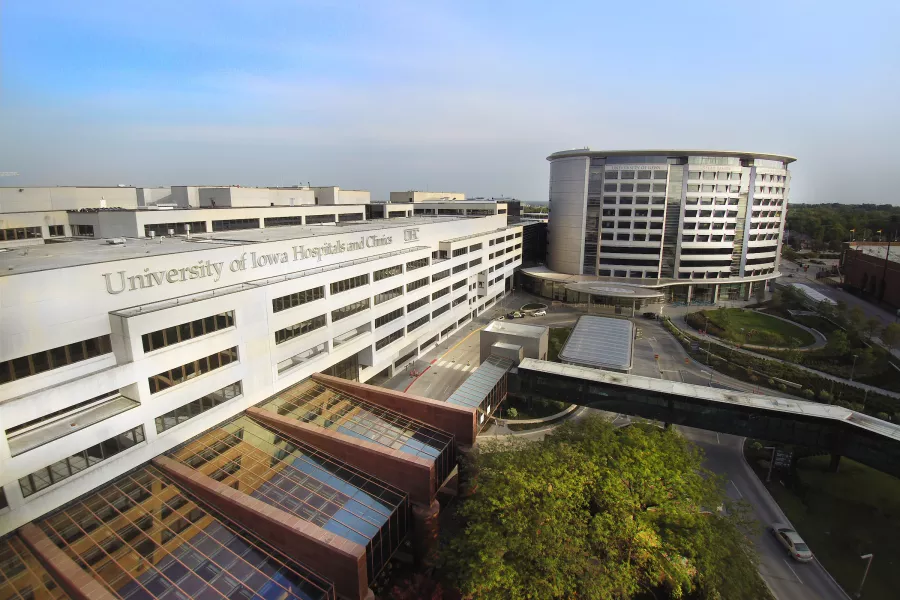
(829, 225)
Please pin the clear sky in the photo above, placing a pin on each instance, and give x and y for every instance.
(450, 96)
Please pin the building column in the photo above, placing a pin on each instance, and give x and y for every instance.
(425, 532)
(690, 290)
(749, 293)
(715, 293)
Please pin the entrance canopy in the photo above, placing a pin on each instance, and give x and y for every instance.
(615, 290)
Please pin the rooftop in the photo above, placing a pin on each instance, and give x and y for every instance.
(532, 331)
(670, 152)
(600, 342)
(83, 252)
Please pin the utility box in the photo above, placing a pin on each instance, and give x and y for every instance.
(533, 339)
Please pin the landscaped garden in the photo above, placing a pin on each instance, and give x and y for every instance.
(558, 337)
(841, 516)
(750, 327)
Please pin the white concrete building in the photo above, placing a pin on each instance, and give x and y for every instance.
(112, 353)
(419, 196)
(690, 223)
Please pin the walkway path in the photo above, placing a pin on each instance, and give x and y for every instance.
(681, 324)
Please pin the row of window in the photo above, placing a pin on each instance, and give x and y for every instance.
(161, 229)
(637, 237)
(393, 337)
(460, 252)
(197, 407)
(706, 201)
(607, 200)
(459, 284)
(418, 323)
(387, 318)
(45, 360)
(350, 283)
(440, 293)
(387, 272)
(459, 268)
(713, 175)
(707, 238)
(195, 368)
(388, 295)
(440, 311)
(441, 274)
(631, 187)
(718, 188)
(350, 309)
(298, 329)
(417, 304)
(417, 284)
(65, 468)
(658, 174)
(416, 264)
(729, 226)
(298, 298)
(719, 214)
(20, 233)
(186, 331)
(630, 225)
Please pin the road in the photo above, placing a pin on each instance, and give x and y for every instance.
(788, 579)
(450, 363)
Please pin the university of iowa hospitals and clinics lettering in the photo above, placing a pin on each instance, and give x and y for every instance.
(122, 281)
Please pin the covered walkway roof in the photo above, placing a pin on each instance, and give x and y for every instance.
(484, 389)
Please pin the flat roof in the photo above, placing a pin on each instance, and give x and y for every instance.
(812, 293)
(670, 152)
(475, 389)
(600, 342)
(41, 257)
(532, 331)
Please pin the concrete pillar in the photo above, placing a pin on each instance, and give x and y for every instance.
(690, 290)
(715, 293)
(749, 293)
(835, 463)
(425, 532)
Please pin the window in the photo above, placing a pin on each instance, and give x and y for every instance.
(644, 174)
(609, 187)
(442, 274)
(80, 461)
(301, 328)
(659, 187)
(350, 309)
(624, 212)
(474, 247)
(388, 295)
(626, 174)
(82, 230)
(476, 262)
(709, 175)
(192, 409)
(46, 360)
(626, 187)
(459, 268)
(660, 174)
(56, 230)
(459, 252)
(387, 318)
(417, 264)
(440, 311)
(389, 339)
(643, 187)
(612, 174)
(460, 300)
(280, 221)
(417, 304)
(440, 293)
(350, 217)
(348, 284)
(624, 237)
(387, 272)
(186, 331)
(235, 224)
(414, 285)
(606, 236)
(302, 357)
(418, 323)
(459, 284)
(298, 298)
(193, 369)
(313, 219)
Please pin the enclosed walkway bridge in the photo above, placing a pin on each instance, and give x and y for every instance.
(832, 429)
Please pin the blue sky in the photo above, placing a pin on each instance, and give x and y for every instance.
(468, 96)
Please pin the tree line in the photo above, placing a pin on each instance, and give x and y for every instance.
(829, 225)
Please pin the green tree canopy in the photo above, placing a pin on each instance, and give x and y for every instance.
(596, 512)
(890, 335)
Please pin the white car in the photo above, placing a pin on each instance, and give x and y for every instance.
(792, 542)
(539, 313)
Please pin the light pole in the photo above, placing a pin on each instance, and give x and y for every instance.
(866, 572)
(771, 463)
(853, 368)
(710, 376)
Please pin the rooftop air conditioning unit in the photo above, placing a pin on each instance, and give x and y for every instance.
(115, 241)
(152, 234)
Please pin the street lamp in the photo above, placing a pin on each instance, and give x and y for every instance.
(771, 463)
(853, 368)
(866, 572)
(710, 376)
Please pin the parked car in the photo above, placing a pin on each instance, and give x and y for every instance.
(792, 542)
(518, 315)
(510, 315)
(650, 315)
(539, 313)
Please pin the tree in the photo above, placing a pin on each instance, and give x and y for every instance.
(511, 412)
(838, 343)
(870, 327)
(890, 335)
(596, 512)
(855, 318)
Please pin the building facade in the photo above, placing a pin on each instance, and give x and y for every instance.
(111, 339)
(685, 220)
(872, 269)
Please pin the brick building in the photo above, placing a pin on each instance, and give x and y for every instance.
(873, 269)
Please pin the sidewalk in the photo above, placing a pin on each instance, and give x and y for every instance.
(688, 330)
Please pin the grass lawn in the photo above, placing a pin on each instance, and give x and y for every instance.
(844, 515)
(558, 337)
(758, 328)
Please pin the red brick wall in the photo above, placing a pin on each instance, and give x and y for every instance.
(457, 420)
(333, 557)
(861, 269)
(79, 584)
(412, 474)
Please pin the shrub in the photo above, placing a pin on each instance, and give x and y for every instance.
(782, 387)
(756, 446)
(883, 416)
(771, 381)
(857, 406)
(808, 393)
(824, 396)
(512, 413)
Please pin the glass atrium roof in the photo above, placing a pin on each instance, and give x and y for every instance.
(143, 538)
(305, 482)
(474, 390)
(22, 577)
(312, 402)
